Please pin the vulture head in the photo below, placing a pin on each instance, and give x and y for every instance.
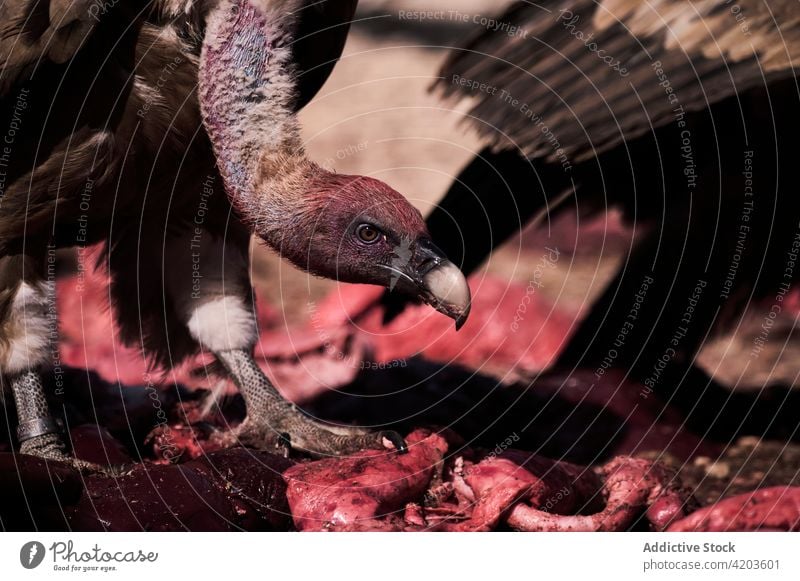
(351, 228)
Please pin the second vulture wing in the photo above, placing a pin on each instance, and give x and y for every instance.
(599, 73)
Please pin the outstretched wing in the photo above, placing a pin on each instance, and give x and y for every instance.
(576, 77)
(33, 32)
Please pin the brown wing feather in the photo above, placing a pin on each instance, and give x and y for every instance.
(35, 31)
(659, 57)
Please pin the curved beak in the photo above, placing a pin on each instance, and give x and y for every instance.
(429, 275)
(448, 292)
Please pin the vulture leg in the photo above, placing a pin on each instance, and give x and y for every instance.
(28, 327)
(272, 420)
(26, 348)
(207, 278)
(37, 431)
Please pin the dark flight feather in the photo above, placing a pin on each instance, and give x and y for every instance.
(702, 51)
(664, 124)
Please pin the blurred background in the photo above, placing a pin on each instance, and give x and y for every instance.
(376, 116)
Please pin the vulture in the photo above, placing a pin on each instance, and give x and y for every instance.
(166, 131)
(682, 114)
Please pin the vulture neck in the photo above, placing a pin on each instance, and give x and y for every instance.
(247, 93)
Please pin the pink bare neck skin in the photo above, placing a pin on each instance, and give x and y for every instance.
(247, 90)
(247, 87)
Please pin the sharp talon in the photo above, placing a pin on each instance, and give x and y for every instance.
(392, 439)
(113, 471)
(285, 444)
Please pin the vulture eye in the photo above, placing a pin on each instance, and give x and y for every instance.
(368, 234)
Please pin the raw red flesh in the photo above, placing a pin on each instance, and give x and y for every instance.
(630, 487)
(355, 493)
(379, 491)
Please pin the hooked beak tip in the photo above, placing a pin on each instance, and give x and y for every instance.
(448, 292)
(462, 318)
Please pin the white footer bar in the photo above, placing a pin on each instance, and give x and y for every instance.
(389, 556)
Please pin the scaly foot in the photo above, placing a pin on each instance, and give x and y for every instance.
(50, 447)
(274, 422)
(37, 431)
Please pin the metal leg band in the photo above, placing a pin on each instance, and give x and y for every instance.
(36, 427)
